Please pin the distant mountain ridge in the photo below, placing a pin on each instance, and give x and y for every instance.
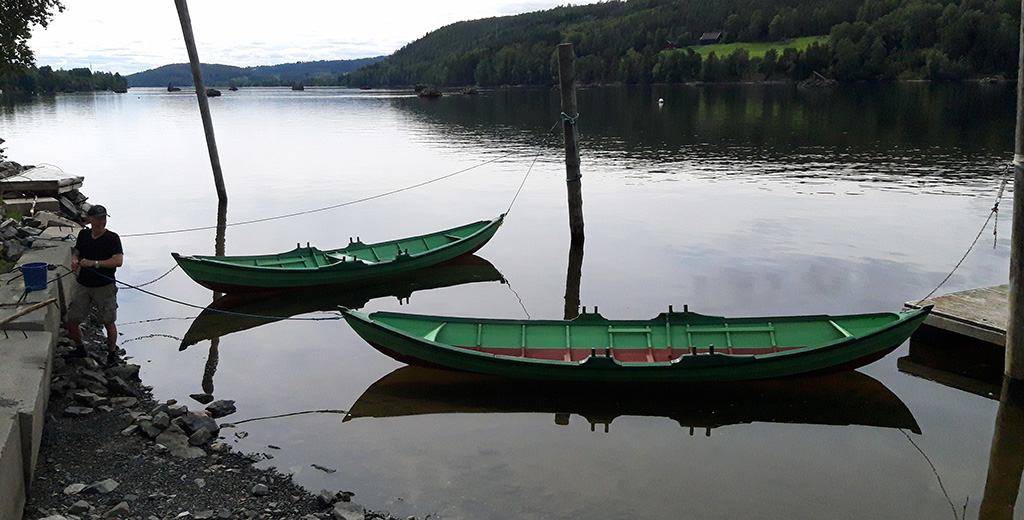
(322, 72)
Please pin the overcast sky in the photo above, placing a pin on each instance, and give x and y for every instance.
(129, 36)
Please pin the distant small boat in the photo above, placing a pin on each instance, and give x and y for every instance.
(298, 87)
(682, 347)
(212, 92)
(353, 265)
(232, 88)
(172, 88)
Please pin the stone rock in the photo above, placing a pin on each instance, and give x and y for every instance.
(162, 420)
(79, 507)
(102, 487)
(126, 402)
(130, 430)
(202, 398)
(193, 422)
(347, 511)
(126, 372)
(262, 490)
(118, 386)
(325, 498)
(150, 430)
(77, 411)
(177, 410)
(74, 489)
(177, 445)
(93, 387)
(200, 483)
(94, 375)
(201, 437)
(221, 408)
(90, 399)
(220, 447)
(29, 231)
(121, 510)
(203, 515)
(13, 249)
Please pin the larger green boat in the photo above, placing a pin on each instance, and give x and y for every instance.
(673, 347)
(358, 264)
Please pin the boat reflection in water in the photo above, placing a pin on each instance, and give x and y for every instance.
(237, 312)
(842, 398)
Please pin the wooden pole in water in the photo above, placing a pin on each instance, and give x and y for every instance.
(1015, 326)
(570, 113)
(204, 102)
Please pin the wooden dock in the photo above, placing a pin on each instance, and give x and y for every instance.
(981, 314)
(963, 341)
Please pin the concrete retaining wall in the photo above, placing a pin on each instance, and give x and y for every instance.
(27, 345)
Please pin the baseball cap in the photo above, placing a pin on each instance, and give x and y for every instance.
(96, 211)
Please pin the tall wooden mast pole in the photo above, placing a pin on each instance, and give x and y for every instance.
(1015, 327)
(567, 83)
(204, 102)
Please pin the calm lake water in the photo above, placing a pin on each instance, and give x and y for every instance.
(735, 200)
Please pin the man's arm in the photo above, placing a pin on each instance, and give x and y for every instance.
(114, 261)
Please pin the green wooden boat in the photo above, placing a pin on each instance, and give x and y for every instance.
(242, 311)
(358, 264)
(673, 347)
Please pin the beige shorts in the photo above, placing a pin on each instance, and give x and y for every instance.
(83, 298)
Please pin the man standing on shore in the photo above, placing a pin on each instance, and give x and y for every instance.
(96, 257)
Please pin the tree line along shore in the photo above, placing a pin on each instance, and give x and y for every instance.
(652, 41)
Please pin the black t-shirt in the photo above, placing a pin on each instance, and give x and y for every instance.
(102, 248)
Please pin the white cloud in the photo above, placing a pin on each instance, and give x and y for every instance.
(128, 36)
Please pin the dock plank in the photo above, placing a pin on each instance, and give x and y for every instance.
(978, 313)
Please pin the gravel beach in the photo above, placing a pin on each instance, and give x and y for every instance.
(110, 451)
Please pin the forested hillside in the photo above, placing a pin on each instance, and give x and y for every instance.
(45, 79)
(306, 73)
(644, 41)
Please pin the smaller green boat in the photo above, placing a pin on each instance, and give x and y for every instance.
(673, 347)
(356, 265)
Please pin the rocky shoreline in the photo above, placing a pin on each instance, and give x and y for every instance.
(108, 450)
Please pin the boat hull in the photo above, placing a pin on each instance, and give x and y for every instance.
(245, 274)
(679, 364)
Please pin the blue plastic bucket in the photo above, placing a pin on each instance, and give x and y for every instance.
(35, 276)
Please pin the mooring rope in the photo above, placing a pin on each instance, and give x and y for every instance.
(307, 212)
(343, 204)
(220, 311)
(528, 170)
(993, 212)
(934, 472)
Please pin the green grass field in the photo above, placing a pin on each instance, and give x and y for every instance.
(758, 49)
